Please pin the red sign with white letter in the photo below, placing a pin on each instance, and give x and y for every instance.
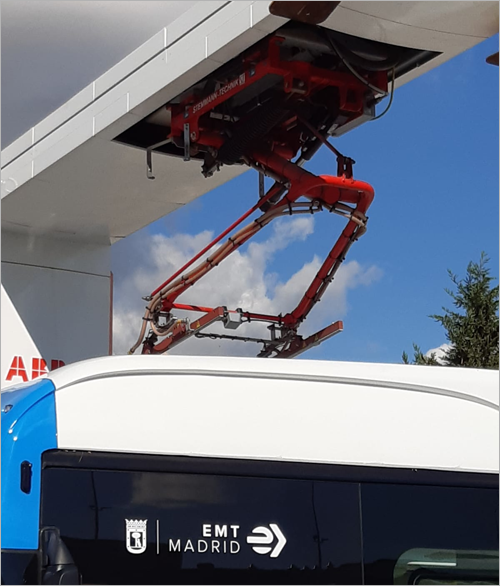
(38, 368)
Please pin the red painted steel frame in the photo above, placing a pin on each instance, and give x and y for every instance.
(298, 77)
(334, 193)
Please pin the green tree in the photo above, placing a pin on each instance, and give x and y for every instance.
(420, 358)
(472, 328)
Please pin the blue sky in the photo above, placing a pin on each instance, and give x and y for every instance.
(433, 160)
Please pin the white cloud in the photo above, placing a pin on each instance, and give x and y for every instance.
(243, 280)
(439, 352)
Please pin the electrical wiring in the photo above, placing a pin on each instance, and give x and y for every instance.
(390, 99)
(353, 71)
(363, 80)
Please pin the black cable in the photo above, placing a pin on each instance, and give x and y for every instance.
(390, 99)
(350, 47)
(363, 80)
(353, 71)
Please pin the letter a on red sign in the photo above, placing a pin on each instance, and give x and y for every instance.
(17, 368)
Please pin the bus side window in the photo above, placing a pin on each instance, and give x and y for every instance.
(429, 534)
(446, 566)
(130, 527)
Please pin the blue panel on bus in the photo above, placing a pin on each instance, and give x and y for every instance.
(28, 430)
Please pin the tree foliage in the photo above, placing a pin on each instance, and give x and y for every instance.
(472, 326)
(420, 358)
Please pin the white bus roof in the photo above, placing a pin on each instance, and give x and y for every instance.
(66, 176)
(307, 411)
(477, 385)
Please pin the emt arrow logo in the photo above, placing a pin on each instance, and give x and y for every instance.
(262, 536)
